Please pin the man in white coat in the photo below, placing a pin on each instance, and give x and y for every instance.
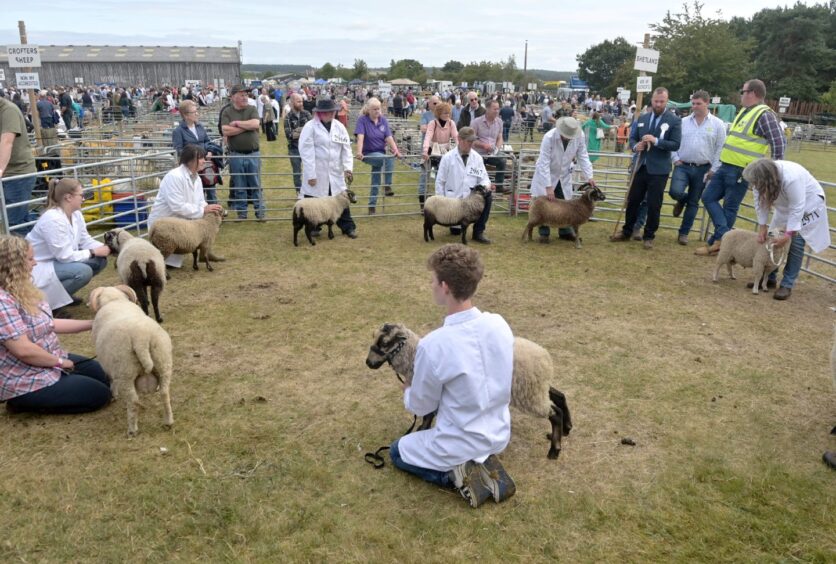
(559, 149)
(325, 150)
(458, 173)
(463, 372)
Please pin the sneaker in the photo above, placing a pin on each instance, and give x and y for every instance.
(677, 208)
(682, 239)
(467, 478)
(637, 235)
(497, 479)
(708, 250)
(648, 244)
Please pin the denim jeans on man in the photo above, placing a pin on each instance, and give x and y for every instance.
(687, 185)
(296, 165)
(76, 275)
(795, 257)
(378, 162)
(15, 191)
(437, 477)
(728, 185)
(246, 169)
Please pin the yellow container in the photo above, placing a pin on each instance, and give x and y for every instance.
(103, 192)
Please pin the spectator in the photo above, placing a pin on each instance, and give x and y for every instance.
(488, 128)
(547, 116)
(471, 112)
(373, 136)
(506, 114)
(190, 131)
(46, 111)
(426, 118)
(240, 124)
(622, 134)
(295, 119)
(15, 159)
(594, 129)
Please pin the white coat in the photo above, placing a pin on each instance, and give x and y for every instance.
(325, 156)
(455, 179)
(800, 206)
(180, 195)
(556, 164)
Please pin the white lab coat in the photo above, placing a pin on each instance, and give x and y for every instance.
(463, 370)
(454, 179)
(325, 156)
(800, 206)
(55, 238)
(180, 195)
(556, 164)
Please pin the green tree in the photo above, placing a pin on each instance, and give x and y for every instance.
(829, 97)
(599, 64)
(326, 71)
(407, 68)
(452, 70)
(360, 70)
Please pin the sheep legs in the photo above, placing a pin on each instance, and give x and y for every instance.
(137, 284)
(204, 257)
(556, 419)
(529, 229)
(558, 399)
(330, 229)
(165, 382)
(155, 301)
(428, 230)
(426, 421)
(464, 233)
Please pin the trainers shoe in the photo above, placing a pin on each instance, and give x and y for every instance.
(708, 250)
(682, 239)
(648, 244)
(677, 208)
(497, 479)
(467, 478)
(637, 235)
(782, 293)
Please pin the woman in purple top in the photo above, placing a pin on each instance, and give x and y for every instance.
(373, 135)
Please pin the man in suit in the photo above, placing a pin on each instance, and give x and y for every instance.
(470, 112)
(656, 135)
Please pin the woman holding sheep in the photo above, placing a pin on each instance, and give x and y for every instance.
(36, 374)
(800, 207)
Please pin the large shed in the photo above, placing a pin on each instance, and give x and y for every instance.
(132, 65)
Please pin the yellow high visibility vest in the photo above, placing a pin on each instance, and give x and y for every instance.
(742, 145)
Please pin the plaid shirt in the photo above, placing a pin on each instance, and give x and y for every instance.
(17, 377)
(769, 128)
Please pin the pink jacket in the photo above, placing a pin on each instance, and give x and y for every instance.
(438, 134)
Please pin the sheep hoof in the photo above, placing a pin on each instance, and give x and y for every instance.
(554, 453)
(132, 433)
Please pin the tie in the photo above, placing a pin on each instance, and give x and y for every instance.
(652, 124)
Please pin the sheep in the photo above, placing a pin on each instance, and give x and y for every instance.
(742, 247)
(132, 349)
(310, 213)
(530, 389)
(564, 213)
(140, 264)
(177, 235)
(454, 211)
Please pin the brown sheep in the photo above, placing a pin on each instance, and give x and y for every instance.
(564, 213)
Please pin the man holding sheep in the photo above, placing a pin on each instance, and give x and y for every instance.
(463, 371)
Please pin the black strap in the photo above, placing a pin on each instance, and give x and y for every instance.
(376, 459)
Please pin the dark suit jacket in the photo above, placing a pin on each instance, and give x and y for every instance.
(658, 158)
(464, 118)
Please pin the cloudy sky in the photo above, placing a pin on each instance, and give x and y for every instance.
(319, 31)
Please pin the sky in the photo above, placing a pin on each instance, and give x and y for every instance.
(315, 32)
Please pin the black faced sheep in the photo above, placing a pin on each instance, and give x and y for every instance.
(175, 235)
(140, 265)
(454, 211)
(310, 213)
(742, 248)
(564, 213)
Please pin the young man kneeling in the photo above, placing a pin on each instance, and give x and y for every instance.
(463, 370)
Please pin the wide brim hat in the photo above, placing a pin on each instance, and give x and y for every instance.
(568, 127)
(325, 105)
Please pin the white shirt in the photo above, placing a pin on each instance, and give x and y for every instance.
(54, 237)
(701, 143)
(325, 156)
(180, 195)
(555, 164)
(455, 180)
(464, 370)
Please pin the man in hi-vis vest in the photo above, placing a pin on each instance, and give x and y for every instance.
(754, 131)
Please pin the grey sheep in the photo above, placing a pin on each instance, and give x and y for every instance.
(140, 265)
(742, 248)
(564, 213)
(454, 211)
(310, 213)
(175, 235)
(531, 389)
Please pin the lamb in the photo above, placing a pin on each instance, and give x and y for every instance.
(177, 235)
(564, 213)
(454, 211)
(310, 213)
(531, 391)
(742, 247)
(132, 348)
(140, 264)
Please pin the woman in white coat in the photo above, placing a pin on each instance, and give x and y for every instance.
(325, 150)
(181, 195)
(553, 171)
(800, 208)
(67, 256)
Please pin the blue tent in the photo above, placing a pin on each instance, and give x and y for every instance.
(320, 81)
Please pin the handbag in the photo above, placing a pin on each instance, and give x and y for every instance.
(439, 149)
(599, 133)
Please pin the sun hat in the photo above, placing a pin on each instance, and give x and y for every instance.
(568, 127)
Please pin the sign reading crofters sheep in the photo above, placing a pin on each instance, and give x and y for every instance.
(21, 56)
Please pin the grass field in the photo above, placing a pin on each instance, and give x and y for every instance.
(726, 394)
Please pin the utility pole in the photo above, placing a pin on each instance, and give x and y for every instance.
(525, 59)
(639, 98)
(33, 104)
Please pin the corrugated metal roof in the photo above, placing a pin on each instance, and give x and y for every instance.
(133, 53)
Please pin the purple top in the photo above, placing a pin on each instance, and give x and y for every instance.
(375, 135)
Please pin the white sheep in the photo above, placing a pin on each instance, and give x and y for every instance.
(132, 349)
(454, 211)
(742, 248)
(564, 213)
(310, 213)
(531, 389)
(175, 235)
(140, 265)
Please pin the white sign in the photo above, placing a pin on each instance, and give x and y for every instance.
(715, 100)
(532, 86)
(644, 84)
(79, 80)
(2, 74)
(28, 80)
(782, 109)
(783, 101)
(619, 89)
(646, 59)
(624, 96)
(464, 85)
(23, 56)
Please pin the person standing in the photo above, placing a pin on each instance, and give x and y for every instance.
(46, 111)
(754, 131)
(65, 102)
(16, 159)
(373, 136)
(294, 121)
(696, 161)
(595, 130)
(506, 114)
(470, 112)
(560, 149)
(657, 134)
(547, 116)
(488, 128)
(239, 125)
(426, 118)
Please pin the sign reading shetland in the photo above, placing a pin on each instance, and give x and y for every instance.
(21, 56)
(646, 59)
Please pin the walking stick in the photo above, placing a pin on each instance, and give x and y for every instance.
(629, 188)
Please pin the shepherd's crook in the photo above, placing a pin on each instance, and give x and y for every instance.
(629, 188)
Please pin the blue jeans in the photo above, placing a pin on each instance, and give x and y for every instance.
(246, 169)
(378, 162)
(86, 388)
(793, 266)
(437, 477)
(728, 185)
(210, 195)
(296, 165)
(15, 191)
(76, 275)
(686, 186)
(506, 130)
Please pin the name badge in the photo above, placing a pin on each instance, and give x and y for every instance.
(641, 124)
(812, 217)
(474, 171)
(338, 137)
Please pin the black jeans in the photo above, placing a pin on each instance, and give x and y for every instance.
(344, 222)
(499, 164)
(296, 165)
(651, 186)
(545, 230)
(482, 222)
(86, 388)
